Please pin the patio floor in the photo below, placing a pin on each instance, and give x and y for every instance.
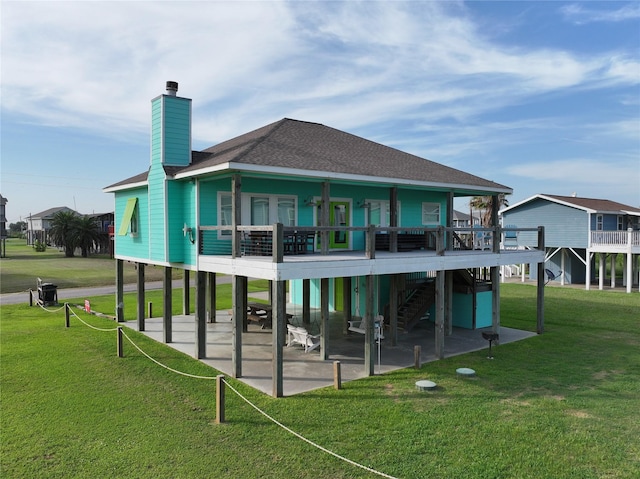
(307, 371)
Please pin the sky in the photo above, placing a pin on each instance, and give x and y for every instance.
(543, 97)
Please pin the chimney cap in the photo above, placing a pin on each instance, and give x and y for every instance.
(172, 88)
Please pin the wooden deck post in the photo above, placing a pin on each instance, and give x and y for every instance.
(186, 293)
(119, 349)
(369, 336)
(393, 219)
(306, 302)
(393, 309)
(346, 301)
(495, 299)
(324, 318)
(119, 291)
(211, 297)
(220, 399)
(448, 302)
(167, 305)
(337, 375)
(201, 315)
(439, 323)
(239, 296)
(141, 300)
(236, 214)
(325, 217)
(278, 327)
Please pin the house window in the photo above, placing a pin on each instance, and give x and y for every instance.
(380, 213)
(129, 222)
(287, 211)
(225, 212)
(599, 222)
(431, 214)
(620, 222)
(259, 210)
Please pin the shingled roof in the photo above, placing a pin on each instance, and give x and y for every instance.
(299, 148)
(589, 204)
(596, 204)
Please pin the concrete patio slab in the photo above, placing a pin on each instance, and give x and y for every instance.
(307, 371)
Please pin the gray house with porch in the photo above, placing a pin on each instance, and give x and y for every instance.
(581, 234)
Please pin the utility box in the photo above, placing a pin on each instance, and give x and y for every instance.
(47, 293)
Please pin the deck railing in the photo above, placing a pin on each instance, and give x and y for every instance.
(615, 238)
(278, 241)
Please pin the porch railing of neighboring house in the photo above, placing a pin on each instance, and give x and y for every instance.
(615, 238)
(278, 241)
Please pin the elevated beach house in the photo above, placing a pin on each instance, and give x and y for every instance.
(580, 234)
(349, 225)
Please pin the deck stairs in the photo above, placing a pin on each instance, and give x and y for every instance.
(418, 298)
(419, 294)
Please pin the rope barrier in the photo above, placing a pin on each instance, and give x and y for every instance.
(164, 365)
(51, 310)
(275, 421)
(89, 325)
(299, 436)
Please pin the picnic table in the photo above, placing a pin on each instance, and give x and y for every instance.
(261, 313)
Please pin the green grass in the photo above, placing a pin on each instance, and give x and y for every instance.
(561, 405)
(23, 265)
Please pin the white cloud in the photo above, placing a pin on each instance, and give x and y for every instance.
(580, 15)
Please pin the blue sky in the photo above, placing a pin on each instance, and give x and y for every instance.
(543, 96)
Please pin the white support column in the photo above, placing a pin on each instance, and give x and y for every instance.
(562, 266)
(522, 266)
(587, 279)
(613, 270)
(601, 271)
(629, 270)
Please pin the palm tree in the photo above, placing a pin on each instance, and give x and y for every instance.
(86, 232)
(486, 207)
(62, 231)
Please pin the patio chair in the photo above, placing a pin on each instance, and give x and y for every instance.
(510, 239)
(298, 335)
(482, 240)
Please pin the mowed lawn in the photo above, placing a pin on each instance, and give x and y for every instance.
(565, 404)
(23, 265)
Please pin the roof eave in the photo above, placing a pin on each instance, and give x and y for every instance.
(128, 186)
(243, 167)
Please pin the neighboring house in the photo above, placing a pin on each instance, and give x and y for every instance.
(576, 231)
(3, 227)
(463, 220)
(352, 225)
(106, 222)
(38, 225)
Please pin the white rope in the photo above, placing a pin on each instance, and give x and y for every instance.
(89, 325)
(353, 463)
(51, 310)
(164, 365)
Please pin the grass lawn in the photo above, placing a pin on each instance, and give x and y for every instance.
(561, 405)
(23, 265)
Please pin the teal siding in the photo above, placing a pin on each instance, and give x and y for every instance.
(181, 210)
(171, 130)
(157, 203)
(133, 246)
(463, 310)
(177, 131)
